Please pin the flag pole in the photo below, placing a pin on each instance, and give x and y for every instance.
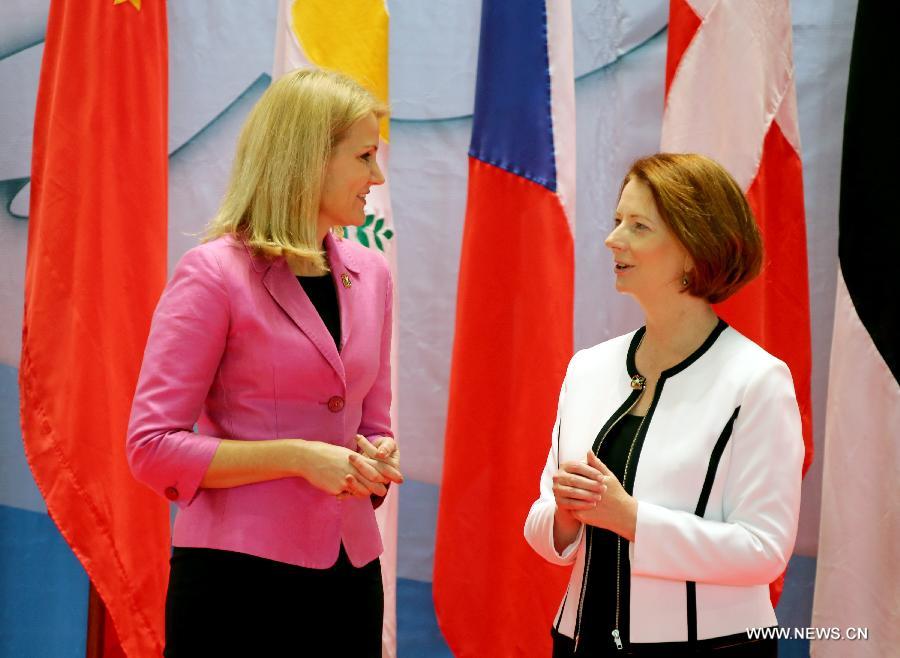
(95, 624)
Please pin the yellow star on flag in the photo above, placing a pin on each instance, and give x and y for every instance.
(136, 3)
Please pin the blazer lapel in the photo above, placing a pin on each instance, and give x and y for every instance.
(345, 272)
(288, 294)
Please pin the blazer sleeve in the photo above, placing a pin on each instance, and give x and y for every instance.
(186, 342)
(376, 407)
(761, 500)
(539, 522)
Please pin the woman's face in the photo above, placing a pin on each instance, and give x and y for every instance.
(649, 259)
(350, 172)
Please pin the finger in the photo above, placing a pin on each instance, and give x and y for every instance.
(582, 469)
(594, 461)
(366, 468)
(389, 472)
(371, 487)
(578, 482)
(581, 482)
(365, 487)
(383, 450)
(386, 446)
(562, 491)
(352, 487)
(368, 449)
(573, 505)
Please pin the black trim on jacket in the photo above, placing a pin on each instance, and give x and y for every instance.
(630, 476)
(711, 470)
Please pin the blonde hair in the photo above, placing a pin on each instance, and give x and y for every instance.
(272, 199)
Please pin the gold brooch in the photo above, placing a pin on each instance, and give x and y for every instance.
(637, 382)
(345, 279)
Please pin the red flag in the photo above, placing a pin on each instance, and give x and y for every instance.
(494, 596)
(95, 267)
(730, 95)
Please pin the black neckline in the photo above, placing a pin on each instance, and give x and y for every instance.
(631, 367)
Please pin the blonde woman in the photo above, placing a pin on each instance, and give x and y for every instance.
(673, 479)
(273, 337)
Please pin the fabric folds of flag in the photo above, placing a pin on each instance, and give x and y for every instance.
(352, 37)
(730, 95)
(493, 595)
(96, 264)
(857, 576)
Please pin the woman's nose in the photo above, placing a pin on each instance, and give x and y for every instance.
(613, 240)
(375, 176)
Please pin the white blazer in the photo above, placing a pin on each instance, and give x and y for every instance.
(723, 426)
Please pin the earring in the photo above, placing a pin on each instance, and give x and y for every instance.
(684, 281)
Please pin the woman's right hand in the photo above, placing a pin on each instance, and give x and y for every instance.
(329, 468)
(576, 486)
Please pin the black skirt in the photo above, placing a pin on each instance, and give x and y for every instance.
(221, 603)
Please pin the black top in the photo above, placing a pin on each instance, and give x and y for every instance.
(609, 562)
(323, 295)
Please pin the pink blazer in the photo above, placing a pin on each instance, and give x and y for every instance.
(237, 348)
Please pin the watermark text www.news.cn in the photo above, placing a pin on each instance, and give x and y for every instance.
(809, 633)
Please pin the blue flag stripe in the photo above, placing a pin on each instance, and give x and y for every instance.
(513, 125)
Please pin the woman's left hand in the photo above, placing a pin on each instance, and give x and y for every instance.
(386, 453)
(617, 511)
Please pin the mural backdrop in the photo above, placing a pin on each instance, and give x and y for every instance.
(221, 57)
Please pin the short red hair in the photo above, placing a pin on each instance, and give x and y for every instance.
(707, 211)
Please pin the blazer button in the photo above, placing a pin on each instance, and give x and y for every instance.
(171, 493)
(335, 403)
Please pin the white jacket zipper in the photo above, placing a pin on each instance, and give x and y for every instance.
(638, 383)
(616, 635)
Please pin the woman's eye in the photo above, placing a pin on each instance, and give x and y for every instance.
(366, 156)
(616, 221)
(639, 226)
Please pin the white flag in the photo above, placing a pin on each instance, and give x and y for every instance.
(352, 37)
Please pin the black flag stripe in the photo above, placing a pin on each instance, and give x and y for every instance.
(869, 228)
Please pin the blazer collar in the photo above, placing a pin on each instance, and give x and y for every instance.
(282, 285)
(339, 255)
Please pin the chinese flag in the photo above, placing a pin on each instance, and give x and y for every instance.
(96, 265)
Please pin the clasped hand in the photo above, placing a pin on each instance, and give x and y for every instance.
(592, 494)
(375, 466)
